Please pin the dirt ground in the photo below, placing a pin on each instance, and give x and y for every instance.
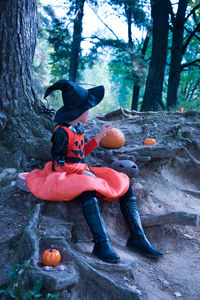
(176, 275)
(165, 184)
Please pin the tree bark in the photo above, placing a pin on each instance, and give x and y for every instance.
(76, 43)
(153, 92)
(135, 98)
(136, 87)
(18, 29)
(129, 22)
(176, 54)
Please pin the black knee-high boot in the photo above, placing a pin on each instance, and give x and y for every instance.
(91, 211)
(137, 240)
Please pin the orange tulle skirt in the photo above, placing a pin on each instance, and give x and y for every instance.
(67, 182)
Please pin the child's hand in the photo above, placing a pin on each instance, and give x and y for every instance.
(105, 128)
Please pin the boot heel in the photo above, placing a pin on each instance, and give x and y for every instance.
(137, 240)
(105, 252)
(138, 250)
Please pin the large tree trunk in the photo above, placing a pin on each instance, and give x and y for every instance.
(18, 27)
(176, 54)
(154, 85)
(76, 43)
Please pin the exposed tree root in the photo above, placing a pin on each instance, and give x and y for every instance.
(178, 218)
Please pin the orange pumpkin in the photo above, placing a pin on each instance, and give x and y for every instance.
(114, 139)
(51, 257)
(149, 142)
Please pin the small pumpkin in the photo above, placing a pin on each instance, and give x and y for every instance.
(149, 142)
(114, 139)
(51, 257)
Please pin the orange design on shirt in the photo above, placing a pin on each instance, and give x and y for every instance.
(75, 144)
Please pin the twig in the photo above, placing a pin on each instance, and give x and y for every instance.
(102, 21)
(191, 12)
(191, 63)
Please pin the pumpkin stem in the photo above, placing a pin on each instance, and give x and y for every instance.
(51, 248)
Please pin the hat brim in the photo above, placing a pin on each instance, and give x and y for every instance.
(95, 95)
(97, 92)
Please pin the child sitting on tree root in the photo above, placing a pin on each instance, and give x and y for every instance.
(67, 176)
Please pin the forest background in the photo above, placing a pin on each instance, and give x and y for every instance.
(153, 66)
(147, 54)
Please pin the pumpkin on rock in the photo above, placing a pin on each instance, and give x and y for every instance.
(150, 142)
(51, 257)
(114, 139)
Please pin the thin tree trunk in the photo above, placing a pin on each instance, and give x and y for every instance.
(154, 85)
(135, 98)
(189, 98)
(76, 43)
(18, 29)
(129, 22)
(176, 54)
(136, 87)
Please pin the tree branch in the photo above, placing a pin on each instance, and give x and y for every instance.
(196, 36)
(192, 11)
(104, 42)
(102, 21)
(192, 63)
(190, 37)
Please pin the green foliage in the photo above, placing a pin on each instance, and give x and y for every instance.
(122, 79)
(60, 40)
(17, 289)
(34, 293)
(189, 91)
(127, 68)
(97, 75)
(123, 67)
(52, 296)
(133, 8)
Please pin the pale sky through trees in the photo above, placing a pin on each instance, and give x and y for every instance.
(92, 25)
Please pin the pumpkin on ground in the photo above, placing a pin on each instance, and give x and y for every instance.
(149, 142)
(51, 257)
(114, 139)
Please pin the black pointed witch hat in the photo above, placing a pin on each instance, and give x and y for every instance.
(75, 98)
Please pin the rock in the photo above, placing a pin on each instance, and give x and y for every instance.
(178, 294)
(7, 173)
(13, 183)
(10, 170)
(55, 280)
